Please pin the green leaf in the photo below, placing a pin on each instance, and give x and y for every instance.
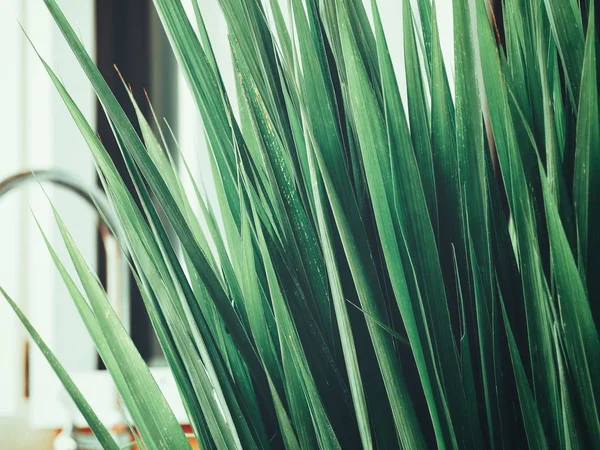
(102, 434)
(419, 115)
(586, 183)
(368, 121)
(567, 28)
(578, 328)
(341, 314)
(531, 418)
(152, 413)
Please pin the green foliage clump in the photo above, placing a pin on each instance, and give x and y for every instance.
(380, 271)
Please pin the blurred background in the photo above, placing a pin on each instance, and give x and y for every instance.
(38, 134)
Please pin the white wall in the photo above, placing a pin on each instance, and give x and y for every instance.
(37, 132)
